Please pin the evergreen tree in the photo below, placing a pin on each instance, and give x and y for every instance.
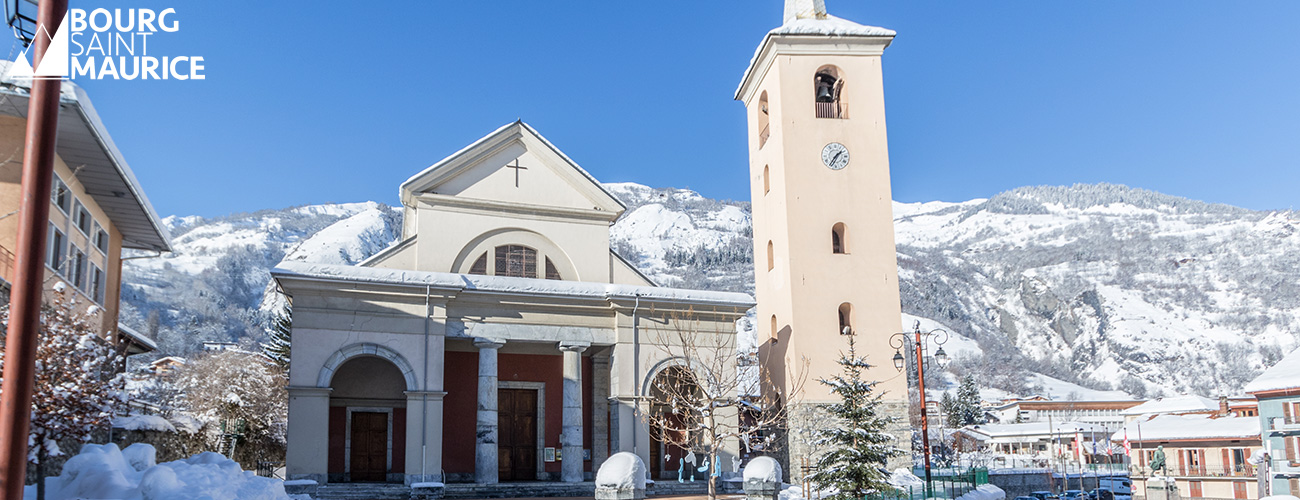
(277, 348)
(858, 446)
(948, 406)
(966, 408)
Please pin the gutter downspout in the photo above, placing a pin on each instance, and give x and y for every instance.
(424, 395)
(636, 371)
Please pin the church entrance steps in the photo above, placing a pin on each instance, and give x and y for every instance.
(662, 488)
(363, 491)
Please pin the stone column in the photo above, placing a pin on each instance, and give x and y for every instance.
(485, 440)
(571, 433)
(599, 410)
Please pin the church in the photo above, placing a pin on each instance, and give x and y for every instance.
(500, 340)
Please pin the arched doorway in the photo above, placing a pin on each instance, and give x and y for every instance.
(367, 421)
(671, 389)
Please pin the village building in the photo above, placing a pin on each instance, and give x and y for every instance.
(1278, 393)
(1105, 413)
(1038, 444)
(500, 340)
(1177, 405)
(1207, 454)
(97, 209)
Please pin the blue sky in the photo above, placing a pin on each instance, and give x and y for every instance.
(312, 102)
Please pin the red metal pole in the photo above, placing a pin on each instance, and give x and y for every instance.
(925, 424)
(29, 257)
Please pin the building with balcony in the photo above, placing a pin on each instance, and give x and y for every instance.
(97, 207)
(1207, 454)
(1278, 392)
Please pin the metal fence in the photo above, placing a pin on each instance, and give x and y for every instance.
(944, 483)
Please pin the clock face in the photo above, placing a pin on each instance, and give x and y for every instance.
(835, 156)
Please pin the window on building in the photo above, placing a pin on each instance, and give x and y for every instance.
(57, 250)
(101, 239)
(81, 218)
(480, 265)
(771, 259)
(767, 182)
(773, 333)
(827, 85)
(839, 244)
(60, 196)
(846, 319)
(516, 261)
(97, 284)
(551, 272)
(79, 263)
(763, 131)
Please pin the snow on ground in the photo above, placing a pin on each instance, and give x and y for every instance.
(1058, 389)
(104, 472)
(622, 470)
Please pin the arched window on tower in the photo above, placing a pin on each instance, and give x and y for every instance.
(846, 319)
(772, 335)
(767, 182)
(828, 86)
(839, 240)
(771, 259)
(763, 131)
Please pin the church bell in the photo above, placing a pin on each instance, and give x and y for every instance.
(825, 83)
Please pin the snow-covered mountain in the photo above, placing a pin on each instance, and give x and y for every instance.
(1082, 290)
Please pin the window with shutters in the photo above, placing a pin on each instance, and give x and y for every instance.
(480, 265)
(516, 261)
(551, 272)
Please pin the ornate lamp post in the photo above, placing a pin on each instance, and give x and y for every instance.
(919, 343)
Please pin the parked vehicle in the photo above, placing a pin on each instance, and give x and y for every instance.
(1122, 487)
(1103, 494)
(1076, 495)
(1026, 498)
(1045, 495)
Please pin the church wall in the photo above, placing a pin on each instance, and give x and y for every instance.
(461, 403)
(540, 181)
(584, 244)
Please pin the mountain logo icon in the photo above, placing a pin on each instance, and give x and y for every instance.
(54, 65)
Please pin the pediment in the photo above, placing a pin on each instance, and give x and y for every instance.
(513, 165)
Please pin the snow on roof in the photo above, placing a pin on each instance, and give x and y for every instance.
(529, 286)
(1203, 426)
(1028, 429)
(813, 26)
(1283, 375)
(1177, 404)
(147, 343)
(169, 359)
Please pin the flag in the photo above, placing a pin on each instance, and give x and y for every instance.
(1078, 445)
(1128, 448)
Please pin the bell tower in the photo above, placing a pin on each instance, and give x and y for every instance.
(823, 224)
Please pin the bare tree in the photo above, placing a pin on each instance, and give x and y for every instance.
(242, 395)
(714, 394)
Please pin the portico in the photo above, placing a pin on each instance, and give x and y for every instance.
(500, 340)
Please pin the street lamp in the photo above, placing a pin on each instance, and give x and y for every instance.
(899, 341)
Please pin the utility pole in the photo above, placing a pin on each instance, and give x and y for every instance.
(29, 260)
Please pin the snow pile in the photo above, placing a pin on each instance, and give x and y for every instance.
(186, 423)
(765, 469)
(903, 478)
(143, 423)
(104, 472)
(1283, 375)
(622, 471)
(985, 492)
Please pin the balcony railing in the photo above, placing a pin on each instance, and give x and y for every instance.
(1284, 422)
(1242, 470)
(830, 109)
(6, 265)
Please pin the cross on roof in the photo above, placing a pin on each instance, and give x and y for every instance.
(517, 168)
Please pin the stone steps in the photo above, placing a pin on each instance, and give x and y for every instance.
(519, 490)
(363, 491)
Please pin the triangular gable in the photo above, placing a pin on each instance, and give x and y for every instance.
(480, 171)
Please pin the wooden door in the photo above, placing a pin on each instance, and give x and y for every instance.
(1239, 490)
(1195, 487)
(517, 435)
(368, 460)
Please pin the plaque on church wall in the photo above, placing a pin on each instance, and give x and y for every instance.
(548, 455)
